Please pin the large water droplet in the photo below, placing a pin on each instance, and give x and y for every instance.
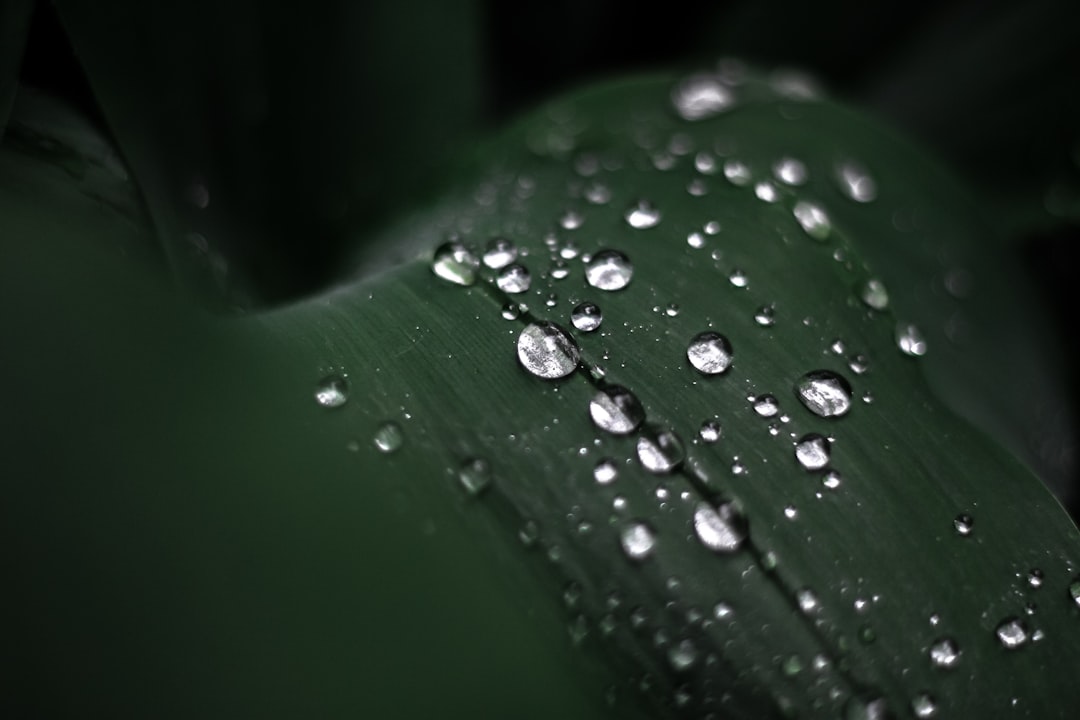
(856, 182)
(637, 540)
(389, 437)
(812, 451)
(874, 294)
(609, 270)
(455, 263)
(710, 353)
(910, 340)
(547, 351)
(924, 705)
(1011, 633)
(332, 391)
(587, 317)
(812, 219)
(616, 410)
(701, 96)
(824, 393)
(660, 450)
(721, 528)
(474, 475)
(499, 253)
(642, 215)
(945, 653)
(514, 279)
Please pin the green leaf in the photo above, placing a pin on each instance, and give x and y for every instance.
(14, 19)
(241, 545)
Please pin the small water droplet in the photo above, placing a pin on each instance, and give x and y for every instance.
(1035, 578)
(660, 450)
(389, 437)
(638, 540)
(721, 529)
(514, 279)
(812, 219)
(722, 611)
(547, 351)
(609, 270)
(642, 215)
(559, 269)
(791, 666)
(710, 431)
(812, 451)
(474, 475)
(765, 316)
(672, 310)
(1011, 633)
(511, 311)
(858, 364)
(616, 410)
(824, 393)
(1074, 591)
(682, 656)
(705, 163)
(766, 405)
(866, 709)
(738, 278)
(923, 705)
(605, 472)
(571, 220)
(695, 240)
(910, 340)
(499, 253)
(710, 353)
(831, 480)
(874, 294)
(737, 172)
(455, 263)
(808, 601)
(587, 317)
(598, 194)
(332, 391)
(945, 653)
(791, 512)
(856, 182)
(790, 171)
(964, 525)
(766, 191)
(701, 96)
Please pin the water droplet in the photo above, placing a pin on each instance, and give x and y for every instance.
(910, 340)
(738, 278)
(642, 215)
(858, 364)
(791, 512)
(701, 96)
(722, 611)
(824, 393)
(499, 253)
(874, 294)
(332, 391)
(697, 187)
(638, 540)
(831, 480)
(812, 451)
(1011, 633)
(711, 228)
(1035, 578)
(737, 172)
(791, 666)
(547, 351)
(705, 163)
(609, 270)
(721, 529)
(808, 601)
(866, 709)
(660, 450)
(587, 317)
(598, 194)
(695, 240)
(710, 431)
(605, 472)
(790, 171)
(923, 705)
(682, 655)
(765, 316)
(856, 182)
(812, 219)
(710, 353)
(672, 310)
(514, 279)
(389, 437)
(1074, 591)
(511, 311)
(766, 191)
(559, 269)
(474, 475)
(964, 525)
(766, 405)
(945, 653)
(571, 220)
(616, 410)
(455, 263)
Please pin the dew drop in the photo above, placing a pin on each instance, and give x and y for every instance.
(766, 405)
(547, 351)
(695, 240)
(1011, 633)
(705, 163)
(791, 666)
(808, 601)
(571, 220)
(389, 437)
(511, 311)
(474, 475)
(964, 525)
(605, 472)
(598, 194)
(559, 269)
(660, 450)
(923, 705)
(874, 295)
(824, 393)
(682, 656)
(1035, 578)
(738, 278)
(587, 317)
(790, 171)
(945, 653)
(499, 253)
(642, 215)
(722, 611)
(858, 364)
(701, 96)
(332, 391)
(710, 431)
(766, 192)
(864, 709)
(812, 219)
(710, 353)
(455, 263)
(637, 540)
(609, 270)
(514, 279)
(737, 172)
(616, 410)
(1074, 592)
(721, 529)
(831, 480)
(856, 183)
(812, 451)
(765, 316)
(910, 340)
